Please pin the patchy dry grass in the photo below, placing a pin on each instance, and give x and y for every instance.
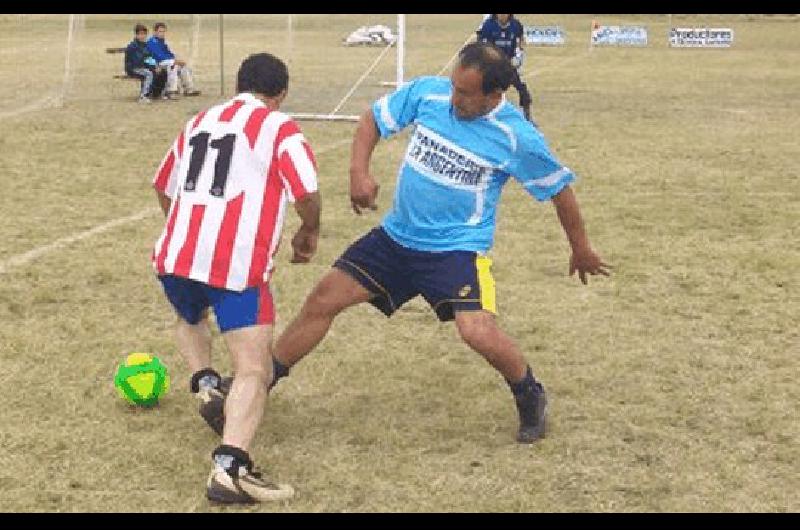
(673, 383)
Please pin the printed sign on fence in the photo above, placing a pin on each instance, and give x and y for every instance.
(545, 35)
(619, 36)
(701, 37)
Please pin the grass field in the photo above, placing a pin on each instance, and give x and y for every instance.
(672, 384)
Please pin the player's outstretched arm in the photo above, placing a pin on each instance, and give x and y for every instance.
(304, 242)
(583, 259)
(363, 188)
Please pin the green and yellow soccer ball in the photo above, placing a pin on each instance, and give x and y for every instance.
(142, 379)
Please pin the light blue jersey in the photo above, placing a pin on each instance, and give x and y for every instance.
(450, 181)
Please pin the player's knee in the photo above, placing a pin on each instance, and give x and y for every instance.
(324, 300)
(476, 330)
(321, 303)
(260, 372)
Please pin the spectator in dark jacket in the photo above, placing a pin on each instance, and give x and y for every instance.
(176, 68)
(140, 63)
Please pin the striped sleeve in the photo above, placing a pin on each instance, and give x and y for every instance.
(165, 179)
(296, 163)
(537, 169)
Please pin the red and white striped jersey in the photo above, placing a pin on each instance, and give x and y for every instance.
(229, 175)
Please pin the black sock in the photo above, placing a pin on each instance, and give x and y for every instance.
(527, 393)
(205, 378)
(525, 386)
(231, 458)
(279, 370)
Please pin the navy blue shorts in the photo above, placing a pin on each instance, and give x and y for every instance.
(234, 310)
(458, 280)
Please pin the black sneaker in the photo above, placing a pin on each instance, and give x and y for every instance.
(532, 408)
(244, 486)
(212, 405)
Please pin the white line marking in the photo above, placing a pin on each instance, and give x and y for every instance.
(45, 102)
(25, 257)
(35, 253)
(448, 63)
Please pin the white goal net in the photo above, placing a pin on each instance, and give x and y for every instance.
(40, 49)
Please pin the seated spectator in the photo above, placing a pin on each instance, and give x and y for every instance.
(176, 68)
(140, 63)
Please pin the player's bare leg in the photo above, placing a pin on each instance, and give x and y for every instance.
(194, 343)
(334, 293)
(233, 478)
(479, 329)
(244, 407)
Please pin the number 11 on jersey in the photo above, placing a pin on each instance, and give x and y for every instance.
(222, 165)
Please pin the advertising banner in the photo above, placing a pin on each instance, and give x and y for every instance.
(701, 37)
(619, 35)
(545, 35)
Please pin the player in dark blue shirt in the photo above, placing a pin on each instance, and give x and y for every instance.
(506, 32)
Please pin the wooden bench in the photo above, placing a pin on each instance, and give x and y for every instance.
(121, 76)
(114, 51)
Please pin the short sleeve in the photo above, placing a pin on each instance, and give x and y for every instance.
(165, 179)
(482, 28)
(297, 165)
(520, 29)
(537, 169)
(393, 112)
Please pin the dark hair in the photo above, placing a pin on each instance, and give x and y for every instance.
(159, 25)
(262, 73)
(491, 62)
(139, 27)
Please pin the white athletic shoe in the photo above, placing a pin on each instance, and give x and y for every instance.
(247, 488)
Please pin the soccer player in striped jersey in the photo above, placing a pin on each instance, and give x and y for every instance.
(467, 142)
(224, 187)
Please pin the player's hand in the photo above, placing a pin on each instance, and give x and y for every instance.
(519, 56)
(180, 62)
(304, 244)
(363, 192)
(585, 260)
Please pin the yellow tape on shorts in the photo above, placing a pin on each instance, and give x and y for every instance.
(486, 283)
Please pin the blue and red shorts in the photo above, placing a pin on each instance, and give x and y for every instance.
(233, 309)
(450, 281)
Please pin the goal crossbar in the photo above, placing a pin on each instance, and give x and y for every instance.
(323, 117)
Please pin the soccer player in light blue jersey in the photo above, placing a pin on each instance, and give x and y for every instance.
(467, 141)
